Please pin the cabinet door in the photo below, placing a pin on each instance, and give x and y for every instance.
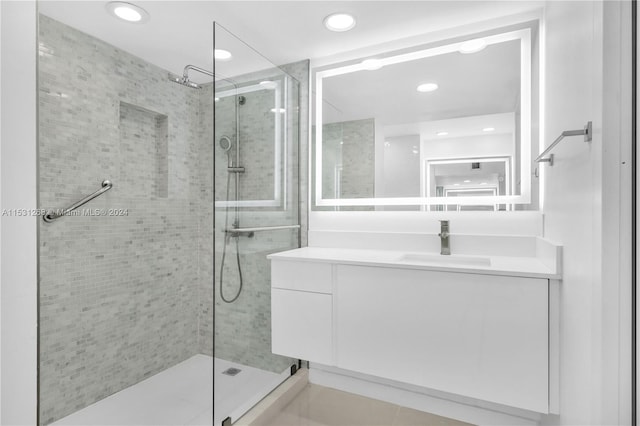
(301, 325)
(480, 336)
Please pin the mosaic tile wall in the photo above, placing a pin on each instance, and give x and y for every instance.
(205, 202)
(119, 291)
(243, 328)
(300, 71)
(129, 294)
(353, 143)
(358, 171)
(348, 161)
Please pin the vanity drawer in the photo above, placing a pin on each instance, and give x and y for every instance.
(303, 276)
(302, 325)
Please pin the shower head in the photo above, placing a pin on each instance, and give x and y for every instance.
(184, 81)
(225, 143)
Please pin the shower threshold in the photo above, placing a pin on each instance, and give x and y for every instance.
(235, 394)
(180, 395)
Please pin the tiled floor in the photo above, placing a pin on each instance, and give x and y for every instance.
(322, 406)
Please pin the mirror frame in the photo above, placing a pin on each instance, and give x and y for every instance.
(280, 145)
(524, 35)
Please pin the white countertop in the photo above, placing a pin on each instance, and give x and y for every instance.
(531, 267)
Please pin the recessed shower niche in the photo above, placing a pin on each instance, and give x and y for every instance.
(144, 151)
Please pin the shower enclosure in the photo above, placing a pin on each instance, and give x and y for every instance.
(257, 212)
(135, 298)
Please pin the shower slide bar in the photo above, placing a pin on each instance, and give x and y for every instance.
(259, 229)
(587, 132)
(51, 216)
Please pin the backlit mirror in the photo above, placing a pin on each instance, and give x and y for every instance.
(441, 127)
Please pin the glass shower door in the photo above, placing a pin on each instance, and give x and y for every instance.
(256, 212)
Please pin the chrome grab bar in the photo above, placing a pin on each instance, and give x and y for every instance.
(587, 132)
(250, 231)
(50, 216)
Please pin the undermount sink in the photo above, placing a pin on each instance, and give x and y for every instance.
(437, 259)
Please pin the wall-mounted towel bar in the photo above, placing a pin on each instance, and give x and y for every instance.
(51, 216)
(587, 132)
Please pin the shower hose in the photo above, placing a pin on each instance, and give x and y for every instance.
(227, 237)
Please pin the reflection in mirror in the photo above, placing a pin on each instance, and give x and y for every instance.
(385, 127)
(257, 108)
(471, 177)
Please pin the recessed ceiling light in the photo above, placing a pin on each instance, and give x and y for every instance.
(128, 12)
(427, 87)
(339, 22)
(268, 84)
(488, 129)
(456, 184)
(483, 183)
(473, 46)
(467, 181)
(371, 64)
(222, 55)
(442, 133)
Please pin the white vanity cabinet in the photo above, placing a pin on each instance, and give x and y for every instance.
(475, 335)
(302, 310)
(481, 336)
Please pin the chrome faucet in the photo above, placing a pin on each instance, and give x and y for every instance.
(445, 249)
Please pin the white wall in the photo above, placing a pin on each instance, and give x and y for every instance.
(497, 145)
(617, 218)
(401, 167)
(18, 274)
(585, 204)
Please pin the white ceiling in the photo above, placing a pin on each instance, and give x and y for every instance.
(181, 32)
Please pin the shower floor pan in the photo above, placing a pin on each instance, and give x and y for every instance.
(180, 395)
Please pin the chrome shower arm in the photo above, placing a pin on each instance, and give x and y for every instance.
(185, 72)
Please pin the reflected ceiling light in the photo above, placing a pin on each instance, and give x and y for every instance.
(128, 12)
(387, 144)
(467, 181)
(442, 133)
(268, 84)
(280, 110)
(483, 183)
(216, 99)
(488, 129)
(456, 184)
(371, 64)
(473, 46)
(222, 55)
(427, 87)
(339, 22)
(415, 151)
